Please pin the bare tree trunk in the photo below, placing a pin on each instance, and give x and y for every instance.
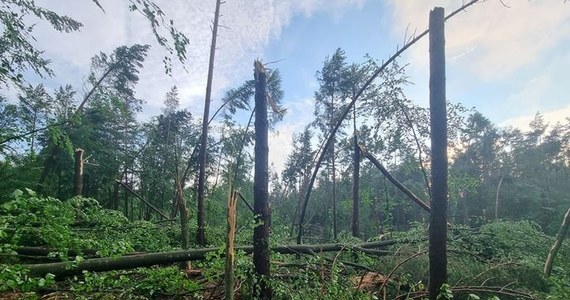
(556, 246)
(497, 198)
(355, 182)
(78, 176)
(438, 124)
(261, 258)
(334, 191)
(230, 238)
(333, 170)
(201, 234)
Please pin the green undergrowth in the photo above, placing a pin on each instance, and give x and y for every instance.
(483, 262)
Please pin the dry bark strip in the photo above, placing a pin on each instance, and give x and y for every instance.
(63, 269)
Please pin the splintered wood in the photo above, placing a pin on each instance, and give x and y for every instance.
(370, 281)
(231, 234)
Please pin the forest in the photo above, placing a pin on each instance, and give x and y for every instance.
(380, 198)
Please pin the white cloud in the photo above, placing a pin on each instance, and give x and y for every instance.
(488, 38)
(550, 117)
(248, 26)
(299, 114)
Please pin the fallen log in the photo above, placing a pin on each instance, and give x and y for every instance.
(62, 269)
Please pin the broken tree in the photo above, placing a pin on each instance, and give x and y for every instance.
(438, 130)
(261, 209)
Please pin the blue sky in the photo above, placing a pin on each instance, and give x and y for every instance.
(509, 63)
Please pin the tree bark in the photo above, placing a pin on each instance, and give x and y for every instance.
(355, 182)
(201, 232)
(438, 124)
(333, 170)
(78, 176)
(261, 259)
(230, 239)
(150, 259)
(556, 246)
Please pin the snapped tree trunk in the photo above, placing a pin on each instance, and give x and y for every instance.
(438, 126)
(556, 246)
(261, 259)
(230, 238)
(201, 218)
(78, 176)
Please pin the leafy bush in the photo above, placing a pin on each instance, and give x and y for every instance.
(15, 278)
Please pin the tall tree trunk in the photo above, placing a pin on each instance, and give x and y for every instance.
(78, 176)
(260, 185)
(497, 198)
(334, 191)
(347, 109)
(438, 124)
(333, 171)
(355, 182)
(201, 234)
(556, 246)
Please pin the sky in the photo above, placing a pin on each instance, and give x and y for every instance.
(508, 60)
